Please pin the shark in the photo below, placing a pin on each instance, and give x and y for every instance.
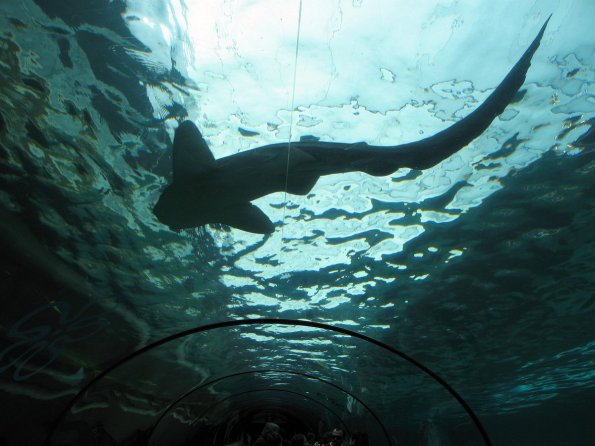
(206, 190)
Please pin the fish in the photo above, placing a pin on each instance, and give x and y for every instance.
(206, 190)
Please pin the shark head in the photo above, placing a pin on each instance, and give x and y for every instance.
(174, 210)
(182, 208)
(195, 197)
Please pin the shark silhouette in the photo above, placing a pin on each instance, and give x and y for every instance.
(208, 190)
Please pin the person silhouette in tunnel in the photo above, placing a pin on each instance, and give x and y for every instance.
(270, 436)
(299, 440)
(337, 437)
(358, 439)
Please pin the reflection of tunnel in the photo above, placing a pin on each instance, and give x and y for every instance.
(221, 383)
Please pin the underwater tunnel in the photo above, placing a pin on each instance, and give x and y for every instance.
(255, 371)
(432, 306)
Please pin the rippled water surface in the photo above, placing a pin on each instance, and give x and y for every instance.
(481, 267)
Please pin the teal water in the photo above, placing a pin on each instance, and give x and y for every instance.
(481, 269)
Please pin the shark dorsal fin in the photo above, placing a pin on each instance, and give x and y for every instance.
(191, 154)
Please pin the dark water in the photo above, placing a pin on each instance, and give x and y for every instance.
(481, 270)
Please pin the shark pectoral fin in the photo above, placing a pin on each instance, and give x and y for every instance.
(247, 217)
(191, 155)
(301, 184)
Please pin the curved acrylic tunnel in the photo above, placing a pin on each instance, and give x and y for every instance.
(218, 384)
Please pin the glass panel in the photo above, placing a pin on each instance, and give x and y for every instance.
(222, 384)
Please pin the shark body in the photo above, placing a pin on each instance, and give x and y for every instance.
(208, 190)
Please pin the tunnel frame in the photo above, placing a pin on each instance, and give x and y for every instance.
(274, 321)
(174, 403)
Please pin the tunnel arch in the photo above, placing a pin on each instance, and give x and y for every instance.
(304, 375)
(285, 393)
(142, 385)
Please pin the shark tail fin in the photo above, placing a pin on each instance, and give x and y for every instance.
(430, 151)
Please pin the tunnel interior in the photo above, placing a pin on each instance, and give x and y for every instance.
(417, 307)
(220, 384)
